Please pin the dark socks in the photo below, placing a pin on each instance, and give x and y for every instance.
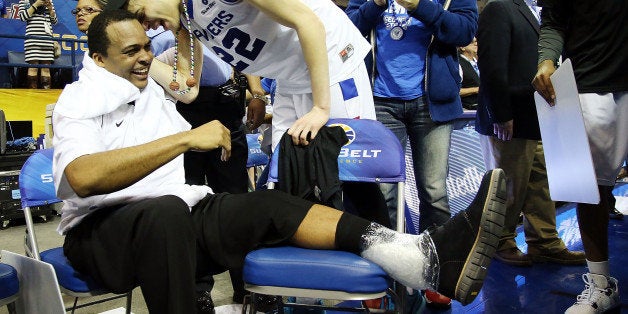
(349, 233)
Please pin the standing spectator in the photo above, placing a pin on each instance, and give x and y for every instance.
(593, 34)
(412, 37)
(85, 11)
(39, 16)
(507, 35)
(468, 57)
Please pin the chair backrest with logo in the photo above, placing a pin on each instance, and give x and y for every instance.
(372, 154)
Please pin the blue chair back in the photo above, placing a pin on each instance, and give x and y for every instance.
(36, 182)
(37, 189)
(373, 153)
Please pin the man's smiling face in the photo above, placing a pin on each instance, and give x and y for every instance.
(128, 54)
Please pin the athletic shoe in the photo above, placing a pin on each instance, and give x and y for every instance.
(466, 243)
(599, 296)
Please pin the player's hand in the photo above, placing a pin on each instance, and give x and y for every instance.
(255, 112)
(542, 82)
(209, 136)
(306, 128)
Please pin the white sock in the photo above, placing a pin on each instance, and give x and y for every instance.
(599, 268)
(407, 258)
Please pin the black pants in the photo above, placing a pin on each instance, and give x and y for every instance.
(206, 167)
(162, 247)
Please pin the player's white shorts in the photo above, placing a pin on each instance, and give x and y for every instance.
(606, 122)
(351, 98)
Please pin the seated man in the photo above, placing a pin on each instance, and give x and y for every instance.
(130, 219)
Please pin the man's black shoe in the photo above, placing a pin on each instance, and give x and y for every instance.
(466, 243)
(565, 257)
(513, 257)
(204, 303)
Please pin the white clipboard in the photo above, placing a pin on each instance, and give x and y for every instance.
(570, 171)
(39, 291)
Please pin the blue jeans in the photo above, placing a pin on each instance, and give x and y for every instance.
(430, 143)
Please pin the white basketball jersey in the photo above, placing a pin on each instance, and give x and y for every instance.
(253, 43)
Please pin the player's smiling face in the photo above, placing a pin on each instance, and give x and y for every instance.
(157, 13)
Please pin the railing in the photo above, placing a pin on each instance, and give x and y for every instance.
(73, 66)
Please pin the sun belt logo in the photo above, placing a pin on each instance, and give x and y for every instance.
(347, 155)
(348, 131)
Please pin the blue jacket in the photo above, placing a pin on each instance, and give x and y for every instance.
(453, 28)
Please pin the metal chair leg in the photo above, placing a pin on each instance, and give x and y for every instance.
(129, 298)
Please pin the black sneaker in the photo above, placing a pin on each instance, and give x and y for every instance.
(466, 243)
(204, 303)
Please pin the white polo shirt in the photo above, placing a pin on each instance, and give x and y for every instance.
(102, 112)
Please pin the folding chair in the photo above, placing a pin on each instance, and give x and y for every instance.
(9, 286)
(373, 154)
(37, 189)
(255, 160)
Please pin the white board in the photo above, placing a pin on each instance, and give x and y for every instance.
(570, 171)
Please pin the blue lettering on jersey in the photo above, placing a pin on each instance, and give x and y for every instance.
(209, 6)
(219, 23)
(201, 33)
(235, 48)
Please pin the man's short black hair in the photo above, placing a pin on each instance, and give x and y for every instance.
(97, 39)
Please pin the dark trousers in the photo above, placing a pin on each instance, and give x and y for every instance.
(159, 245)
(137, 244)
(206, 167)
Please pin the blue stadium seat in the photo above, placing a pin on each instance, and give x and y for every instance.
(9, 285)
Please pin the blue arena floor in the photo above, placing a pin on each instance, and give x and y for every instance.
(548, 288)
